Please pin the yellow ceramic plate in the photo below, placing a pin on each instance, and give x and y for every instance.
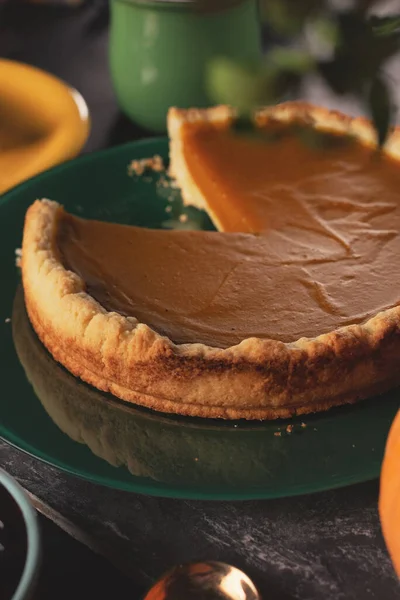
(42, 122)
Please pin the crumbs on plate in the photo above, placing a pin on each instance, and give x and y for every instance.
(18, 256)
(139, 166)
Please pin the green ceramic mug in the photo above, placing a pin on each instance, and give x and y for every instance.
(159, 50)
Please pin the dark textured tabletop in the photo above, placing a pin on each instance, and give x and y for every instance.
(322, 546)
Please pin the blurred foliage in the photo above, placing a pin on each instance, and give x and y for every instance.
(347, 48)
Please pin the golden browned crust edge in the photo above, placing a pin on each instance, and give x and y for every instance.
(257, 379)
(176, 118)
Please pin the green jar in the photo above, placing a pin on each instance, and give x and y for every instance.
(159, 50)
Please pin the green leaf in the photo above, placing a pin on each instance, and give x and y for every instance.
(277, 14)
(293, 61)
(243, 123)
(241, 85)
(321, 140)
(244, 126)
(385, 26)
(288, 17)
(326, 29)
(381, 108)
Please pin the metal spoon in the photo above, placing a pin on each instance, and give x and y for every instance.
(203, 581)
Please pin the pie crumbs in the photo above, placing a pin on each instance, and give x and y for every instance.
(139, 166)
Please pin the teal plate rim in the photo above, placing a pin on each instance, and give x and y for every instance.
(165, 491)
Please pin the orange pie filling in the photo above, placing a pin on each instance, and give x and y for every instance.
(311, 244)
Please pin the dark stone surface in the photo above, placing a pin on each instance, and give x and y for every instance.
(70, 569)
(325, 546)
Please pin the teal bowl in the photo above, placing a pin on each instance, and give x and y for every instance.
(159, 51)
(19, 542)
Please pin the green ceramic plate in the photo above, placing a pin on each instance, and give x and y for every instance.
(48, 413)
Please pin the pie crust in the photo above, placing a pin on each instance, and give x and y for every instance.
(256, 379)
(149, 444)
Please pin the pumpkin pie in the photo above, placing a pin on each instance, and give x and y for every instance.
(291, 307)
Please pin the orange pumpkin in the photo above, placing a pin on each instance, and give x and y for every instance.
(389, 499)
